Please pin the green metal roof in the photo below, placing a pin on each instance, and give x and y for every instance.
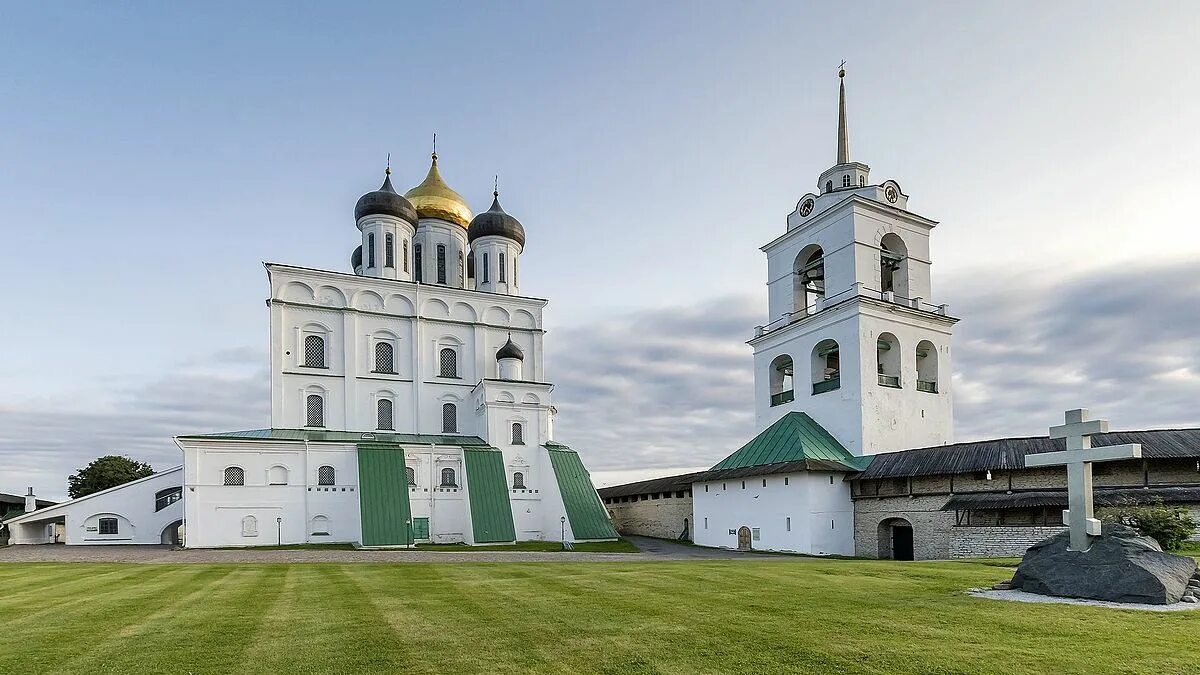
(487, 492)
(794, 437)
(589, 519)
(11, 514)
(383, 495)
(327, 436)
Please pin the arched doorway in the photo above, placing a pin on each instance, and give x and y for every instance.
(686, 535)
(172, 535)
(744, 539)
(896, 539)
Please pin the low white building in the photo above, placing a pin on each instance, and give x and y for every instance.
(145, 511)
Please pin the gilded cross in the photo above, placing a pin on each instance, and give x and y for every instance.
(1078, 458)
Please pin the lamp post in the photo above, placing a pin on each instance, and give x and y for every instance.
(279, 531)
(563, 521)
(408, 533)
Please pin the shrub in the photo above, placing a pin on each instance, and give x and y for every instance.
(1170, 526)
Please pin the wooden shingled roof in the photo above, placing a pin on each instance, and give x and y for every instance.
(1009, 453)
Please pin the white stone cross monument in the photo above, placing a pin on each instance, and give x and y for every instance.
(1078, 457)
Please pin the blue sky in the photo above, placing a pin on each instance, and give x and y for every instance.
(154, 155)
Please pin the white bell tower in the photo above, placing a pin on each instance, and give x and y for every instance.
(853, 338)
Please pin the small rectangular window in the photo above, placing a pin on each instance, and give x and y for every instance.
(502, 267)
(389, 251)
(108, 526)
(764, 482)
(831, 480)
(706, 523)
(418, 273)
(785, 480)
(754, 532)
(706, 488)
(789, 524)
(441, 263)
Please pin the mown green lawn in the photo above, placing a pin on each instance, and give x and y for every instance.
(795, 615)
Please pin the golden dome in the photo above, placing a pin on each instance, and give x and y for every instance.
(434, 199)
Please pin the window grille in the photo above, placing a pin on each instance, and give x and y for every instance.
(383, 410)
(448, 363)
(389, 251)
(846, 181)
(441, 263)
(314, 351)
(165, 498)
(316, 411)
(384, 363)
(518, 480)
(462, 270)
(518, 434)
(449, 418)
(326, 475)
(108, 526)
(405, 255)
(486, 258)
(411, 474)
(371, 250)
(235, 475)
(502, 268)
(419, 275)
(448, 478)
(515, 282)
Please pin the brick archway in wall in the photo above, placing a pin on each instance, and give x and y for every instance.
(896, 539)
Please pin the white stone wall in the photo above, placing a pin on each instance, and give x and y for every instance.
(663, 517)
(132, 504)
(801, 512)
(996, 542)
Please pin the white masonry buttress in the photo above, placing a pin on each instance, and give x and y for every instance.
(854, 336)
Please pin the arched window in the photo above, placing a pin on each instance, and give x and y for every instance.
(165, 498)
(449, 418)
(484, 269)
(235, 475)
(518, 434)
(314, 351)
(405, 263)
(320, 526)
(249, 526)
(829, 186)
(441, 263)
(447, 363)
(277, 475)
(371, 250)
(448, 478)
(515, 282)
(887, 350)
(462, 269)
(518, 480)
(862, 181)
(893, 265)
(808, 280)
(411, 474)
(846, 180)
(389, 250)
(326, 475)
(418, 272)
(782, 386)
(826, 367)
(927, 367)
(315, 411)
(384, 361)
(383, 414)
(502, 269)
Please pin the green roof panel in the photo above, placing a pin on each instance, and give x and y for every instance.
(487, 492)
(589, 519)
(794, 437)
(383, 495)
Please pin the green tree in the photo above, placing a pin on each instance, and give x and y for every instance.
(1170, 526)
(105, 472)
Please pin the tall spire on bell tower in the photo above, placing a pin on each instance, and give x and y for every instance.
(843, 141)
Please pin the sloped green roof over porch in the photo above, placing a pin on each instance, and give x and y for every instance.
(487, 492)
(383, 495)
(794, 437)
(589, 519)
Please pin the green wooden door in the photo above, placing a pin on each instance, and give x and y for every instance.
(420, 528)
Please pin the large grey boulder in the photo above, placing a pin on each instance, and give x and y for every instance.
(1121, 566)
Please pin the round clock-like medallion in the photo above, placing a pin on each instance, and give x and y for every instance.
(891, 194)
(807, 207)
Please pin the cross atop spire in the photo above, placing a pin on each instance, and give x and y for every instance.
(843, 141)
(435, 147)
(388, 171)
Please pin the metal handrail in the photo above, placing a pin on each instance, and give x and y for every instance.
(858, 289)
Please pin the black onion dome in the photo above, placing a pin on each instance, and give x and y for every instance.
(495, 222)
(510, 350)
(386, 202)
(356, 258)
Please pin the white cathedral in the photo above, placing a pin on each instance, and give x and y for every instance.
(409, 404)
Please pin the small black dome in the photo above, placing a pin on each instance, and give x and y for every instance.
(510, 350)
(356, 258)
(495, 222)
(385, 201)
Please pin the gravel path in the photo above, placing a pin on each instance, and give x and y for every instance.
(1022, 596)
(651, 550)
